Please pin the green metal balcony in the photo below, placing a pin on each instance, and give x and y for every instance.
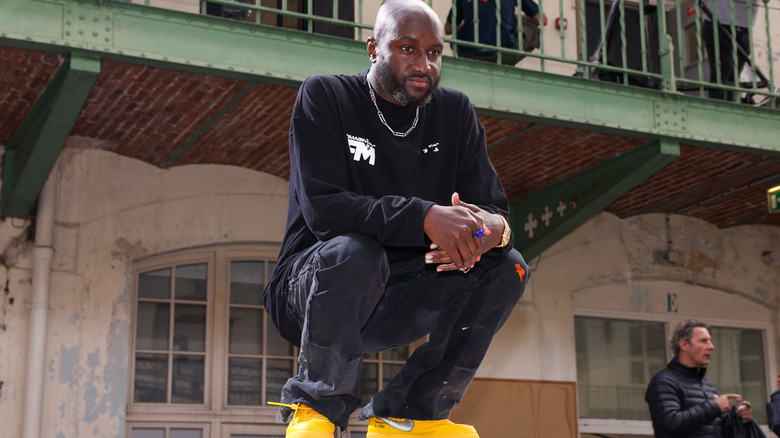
(283, 44)
(627, 42)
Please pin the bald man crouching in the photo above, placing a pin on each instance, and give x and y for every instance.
(396, 231)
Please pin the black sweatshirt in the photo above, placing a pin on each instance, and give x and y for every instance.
(349, 174)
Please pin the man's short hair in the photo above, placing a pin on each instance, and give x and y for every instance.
(684, 330)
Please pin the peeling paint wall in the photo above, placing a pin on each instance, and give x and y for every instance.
(15, 290)
(113, 210)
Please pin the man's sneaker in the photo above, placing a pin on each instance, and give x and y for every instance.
(402, 428)
(307, 423)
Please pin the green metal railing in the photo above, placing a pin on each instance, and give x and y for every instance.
(626, 42)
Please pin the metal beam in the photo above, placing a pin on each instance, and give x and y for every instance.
(517, 134)
(189, 42)
(546, 216)
(206, 126)
(606, 107)
(139, 34)
(34, 149)
(705, 187)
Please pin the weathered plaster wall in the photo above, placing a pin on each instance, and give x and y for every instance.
(621, 267)
(110, 211)
(15, 282)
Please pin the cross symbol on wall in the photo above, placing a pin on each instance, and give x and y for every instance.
(561, 208)
(546, 216)
(530, 225)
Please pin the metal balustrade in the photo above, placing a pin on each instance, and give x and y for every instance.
(659, 44)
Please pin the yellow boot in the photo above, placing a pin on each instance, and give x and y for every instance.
(308, 423)
(403, 428)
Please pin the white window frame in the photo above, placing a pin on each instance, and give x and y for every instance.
(229, 429)
(215, 410)
(167, 426)
(180, 259)
(215, 415)
(645, 428)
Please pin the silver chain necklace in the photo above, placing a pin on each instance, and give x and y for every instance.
(382, 116)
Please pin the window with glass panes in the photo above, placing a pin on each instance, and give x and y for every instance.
(203, 345)
(170, 341)
(167, 432)
(737, 366)
(615, 361)
(259, 360)
(201, 334)
(617, 358)
(379, 368)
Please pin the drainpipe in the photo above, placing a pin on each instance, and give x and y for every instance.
(43, 253)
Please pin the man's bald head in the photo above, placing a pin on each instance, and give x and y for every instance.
(394, 11)
(405, 52)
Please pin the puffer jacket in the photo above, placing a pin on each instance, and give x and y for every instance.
(773, 412)
(682, 403)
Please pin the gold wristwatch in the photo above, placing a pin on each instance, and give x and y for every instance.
(507, 233)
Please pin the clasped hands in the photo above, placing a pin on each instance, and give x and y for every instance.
(743, 407)
(452, 230)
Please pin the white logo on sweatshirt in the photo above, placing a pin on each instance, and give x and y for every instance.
(434, 147)
(361, 149)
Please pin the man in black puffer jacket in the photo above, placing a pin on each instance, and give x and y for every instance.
(683, 404)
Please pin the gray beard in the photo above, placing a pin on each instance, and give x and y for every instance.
(392, 86)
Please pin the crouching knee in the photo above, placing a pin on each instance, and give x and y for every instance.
(355, 256)
(513, 276)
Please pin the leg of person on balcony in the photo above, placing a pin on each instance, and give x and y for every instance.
(725, 52)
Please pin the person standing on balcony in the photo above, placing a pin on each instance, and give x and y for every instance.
(226, 11)
(396, 230)
(488, 22)
(683, 403)
(725, 49)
